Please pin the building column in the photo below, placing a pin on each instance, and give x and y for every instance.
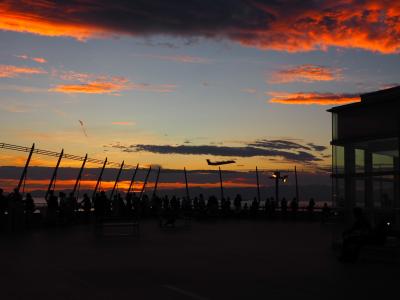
(349, 181)
(368, 184)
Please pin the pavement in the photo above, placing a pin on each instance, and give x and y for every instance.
(210, 260)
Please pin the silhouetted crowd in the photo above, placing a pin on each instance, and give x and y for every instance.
(18, 211)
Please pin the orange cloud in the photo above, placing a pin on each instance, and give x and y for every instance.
(103, 84)
(40, 60)
(9, 71)
(313, 98)
(14, 18)
(304, 26)
(306, 73)
(92, 88)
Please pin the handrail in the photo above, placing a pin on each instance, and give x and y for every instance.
(65, 155)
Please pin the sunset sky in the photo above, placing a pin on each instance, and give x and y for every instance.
(172, 83)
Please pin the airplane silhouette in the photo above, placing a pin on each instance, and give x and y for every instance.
(218, 163)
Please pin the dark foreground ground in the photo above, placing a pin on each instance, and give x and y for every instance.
(221, 260)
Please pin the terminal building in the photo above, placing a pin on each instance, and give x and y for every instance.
(365, 155)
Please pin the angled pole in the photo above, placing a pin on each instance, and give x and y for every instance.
(220, 181)
(23, 175)
(54, 176)
(144, 183)
(116, 180)
(78, 179)
(99, 179)
(186, 184)
(156, 184)
(132, 180)
(258, 186)
(297, 185)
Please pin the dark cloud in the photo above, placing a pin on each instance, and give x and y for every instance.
(245, 151)
(279, 144)
(317, 147)
(295, 25)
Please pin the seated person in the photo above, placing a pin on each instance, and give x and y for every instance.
(356, 236)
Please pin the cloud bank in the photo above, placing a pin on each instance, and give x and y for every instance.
(278, 24)
(287, 150)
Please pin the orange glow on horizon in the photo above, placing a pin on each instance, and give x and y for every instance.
(32, 185)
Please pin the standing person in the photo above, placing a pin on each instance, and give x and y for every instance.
(29, 209)
(52, 208)
(267, 207)
(3, 209)
(128, 199)
(254, 207)
(106, 204)
(272, 208)
(326, 211)
(294, 207)
(283, 207)
(195, 204)
(202, 205)
(237, 202)
(99, 207)
(356, 236)
(63, 209)
(310, 208)
(15, 210)
(87, 206)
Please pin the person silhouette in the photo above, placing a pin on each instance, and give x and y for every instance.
(326, 211)
(254, 207)
(15, 211)
(284, 206)
(29, 209)
(294, 207)
(356, 236)
(99, 207)
(87, 206)
(237, 202)
(52, 208)
(310, 208)
(3, 209)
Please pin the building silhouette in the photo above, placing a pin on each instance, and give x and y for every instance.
(365, 155)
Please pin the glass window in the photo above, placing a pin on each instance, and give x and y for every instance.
(334, 126)
(360, 160)
(382, 162)
(338, 192)
(338, 159)
(383, 191)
